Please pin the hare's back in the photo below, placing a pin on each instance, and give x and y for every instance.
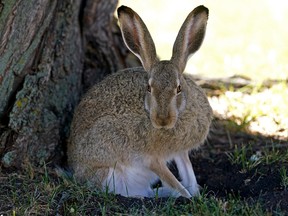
(120, 94)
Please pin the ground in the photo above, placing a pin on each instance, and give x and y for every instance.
(241, 171)
(234, 186)
(260, 181)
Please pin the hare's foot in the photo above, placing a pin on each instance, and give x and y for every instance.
(159, 167)
(186, 172)
(130, 181)
(165, 191)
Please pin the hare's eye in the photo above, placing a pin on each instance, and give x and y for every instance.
(149, 88)
(179, 89)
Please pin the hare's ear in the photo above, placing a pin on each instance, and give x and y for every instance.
(137, 37)
(190, 36)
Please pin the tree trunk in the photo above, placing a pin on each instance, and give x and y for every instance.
(50, 53)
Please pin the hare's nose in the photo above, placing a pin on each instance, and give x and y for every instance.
(164, 121)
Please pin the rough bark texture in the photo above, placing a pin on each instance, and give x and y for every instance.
(50, 53)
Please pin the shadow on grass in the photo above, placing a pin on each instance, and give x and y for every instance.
(243, 165)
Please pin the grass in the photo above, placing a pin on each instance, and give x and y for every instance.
(47, 195)
(284, 177)
(248, 160)
(240, 156)
(42, 192)
(274, 155)
(259, 110)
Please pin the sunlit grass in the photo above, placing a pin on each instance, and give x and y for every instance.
(263, 111)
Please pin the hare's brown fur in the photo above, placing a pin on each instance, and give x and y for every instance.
(92, 110)
(121, 126)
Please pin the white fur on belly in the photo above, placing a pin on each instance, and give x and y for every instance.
(130, 181)
(136, 180)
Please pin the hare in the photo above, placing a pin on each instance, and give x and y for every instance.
(127, 127)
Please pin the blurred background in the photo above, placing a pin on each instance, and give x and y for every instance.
(245, 38)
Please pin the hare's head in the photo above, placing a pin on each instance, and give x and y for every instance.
(166, 87)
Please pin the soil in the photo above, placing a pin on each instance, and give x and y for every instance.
(220, 177)
(215, 174)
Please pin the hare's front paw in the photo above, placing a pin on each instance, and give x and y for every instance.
(165, 191)
(186, 172)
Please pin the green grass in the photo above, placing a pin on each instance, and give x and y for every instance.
(259, 110)
(274, 155)
(248, 159)
(47, 195)
(241, 156)
(284, 177)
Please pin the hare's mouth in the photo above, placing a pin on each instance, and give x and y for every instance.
(164, 123)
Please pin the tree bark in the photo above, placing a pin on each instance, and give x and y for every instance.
(50, 53)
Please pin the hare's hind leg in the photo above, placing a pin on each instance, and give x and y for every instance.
(93, 177)
(186, 173)
(130, 181)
